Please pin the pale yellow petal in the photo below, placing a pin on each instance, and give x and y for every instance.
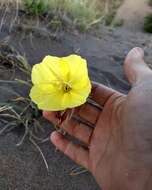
(72, 99)
(53, 65)
(47, 97)
(82, 84)
(47, 71)
(75, 67)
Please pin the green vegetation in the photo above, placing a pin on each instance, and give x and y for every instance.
(111, 7)
(150, 2)
(148, 23)
(148, 20)
(80, 14)
(38, 7)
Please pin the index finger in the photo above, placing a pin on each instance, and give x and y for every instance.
(101, 93)
(51, 116)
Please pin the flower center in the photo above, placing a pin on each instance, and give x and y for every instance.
(66, 87)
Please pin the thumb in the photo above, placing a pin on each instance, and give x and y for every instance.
(135, 67)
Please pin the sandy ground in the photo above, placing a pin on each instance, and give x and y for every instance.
(22, 168)
(133, 13)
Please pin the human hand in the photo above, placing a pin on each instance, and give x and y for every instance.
(119, 147)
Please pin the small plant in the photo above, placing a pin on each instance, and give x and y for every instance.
(148, 23)
(19, 111)
(108, 19)
(36, 7)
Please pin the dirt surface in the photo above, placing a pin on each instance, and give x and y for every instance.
(22, 168)
(132, 12)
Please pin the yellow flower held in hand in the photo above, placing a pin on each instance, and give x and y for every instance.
(60, 83)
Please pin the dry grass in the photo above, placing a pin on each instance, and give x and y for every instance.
(19, 112)
(82, 14)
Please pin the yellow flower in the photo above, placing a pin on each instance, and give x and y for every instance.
(60, 83)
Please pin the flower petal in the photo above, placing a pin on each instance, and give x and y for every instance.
(47, 97)
(73, 99)
(47, 71)
(76, 67)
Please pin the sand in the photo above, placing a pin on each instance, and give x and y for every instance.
(132, 12)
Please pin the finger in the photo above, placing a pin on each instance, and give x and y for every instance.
(135, 67)
(88, 112)
(72, 127)
(51, 116)
(100, 93)
(75, 152)
(79, 131)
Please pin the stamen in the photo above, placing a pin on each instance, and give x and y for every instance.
(66, 87)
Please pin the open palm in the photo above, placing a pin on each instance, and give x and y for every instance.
(117, 149)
